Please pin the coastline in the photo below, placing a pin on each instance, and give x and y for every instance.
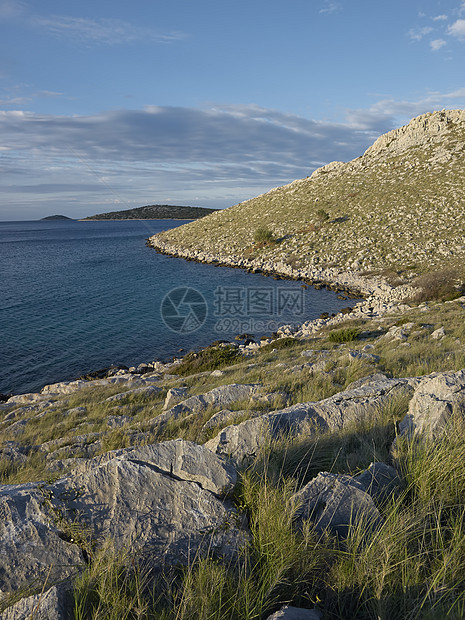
(371, 288)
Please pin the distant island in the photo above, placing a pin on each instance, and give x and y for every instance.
(155, 212)
(56, 217)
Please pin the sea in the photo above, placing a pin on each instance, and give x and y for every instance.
(78, 296)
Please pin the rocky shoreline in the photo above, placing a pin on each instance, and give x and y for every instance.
(349, 282)
(379, 297)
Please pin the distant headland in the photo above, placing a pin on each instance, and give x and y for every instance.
(55, 217)
(155, 212)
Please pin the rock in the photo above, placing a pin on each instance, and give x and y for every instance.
(380, 481)
(53, 604)
(225, 416)
(217, 373)
(147, 392)
(64, 387)
(117, 421)
(218, 397)
(24, 399)
(335, 502)
(32, 546)
(79, 411)
(102, 373)
(174, 396)
(438, 333)
(379, 376)
(360, 355)
(243, 442)
(157, 499)
(295, 613)
(436, 398)
(163, 501)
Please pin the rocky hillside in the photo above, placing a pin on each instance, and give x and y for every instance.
(271, 480)
(399, 209)
(155, 212)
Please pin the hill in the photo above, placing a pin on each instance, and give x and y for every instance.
(55, 217)
(397, 210)
(155, 212)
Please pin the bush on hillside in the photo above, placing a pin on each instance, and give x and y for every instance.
(442, 285)
(263, 235)
(209, 358)
(346, 334)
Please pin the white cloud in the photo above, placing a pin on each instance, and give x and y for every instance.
(103, 31)
(216, 156)
(331, 7)
(457, 29)
(417, 34)
(11, 8)
(439, 18)
(437, 44)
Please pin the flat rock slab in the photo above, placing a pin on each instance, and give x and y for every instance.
(160, 501)
(242, 442)
(31, 545)
(180, 459)
(219, 397)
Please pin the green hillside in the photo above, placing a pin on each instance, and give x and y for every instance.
(399, 208)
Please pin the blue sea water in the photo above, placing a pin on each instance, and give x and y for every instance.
(79, 296)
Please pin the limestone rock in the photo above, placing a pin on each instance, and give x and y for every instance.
(435, 399)
(380, 481)
(174, 396)
(162, 501)
(64, 387)
(218, 397)
(54, 604)
(137, 504)
(242, 442)
(335, 502)
(438, 333)
(295, 613)
(32, 546)
(146, 391)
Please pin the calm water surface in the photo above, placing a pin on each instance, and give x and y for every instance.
(78, 296)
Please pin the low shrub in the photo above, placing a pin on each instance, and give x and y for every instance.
(263, 235)
(209, 358)
(441, 285)
(346, 334)
(280, 343)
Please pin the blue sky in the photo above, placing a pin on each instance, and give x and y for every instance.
(112, 104)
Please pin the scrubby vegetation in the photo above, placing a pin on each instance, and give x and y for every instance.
(412, 566)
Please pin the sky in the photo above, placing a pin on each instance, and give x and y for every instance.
(109, 105)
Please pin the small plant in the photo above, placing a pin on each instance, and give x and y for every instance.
(280, 343)
(322, 215)
(346, 334)
(208, 359)
(263, 235)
